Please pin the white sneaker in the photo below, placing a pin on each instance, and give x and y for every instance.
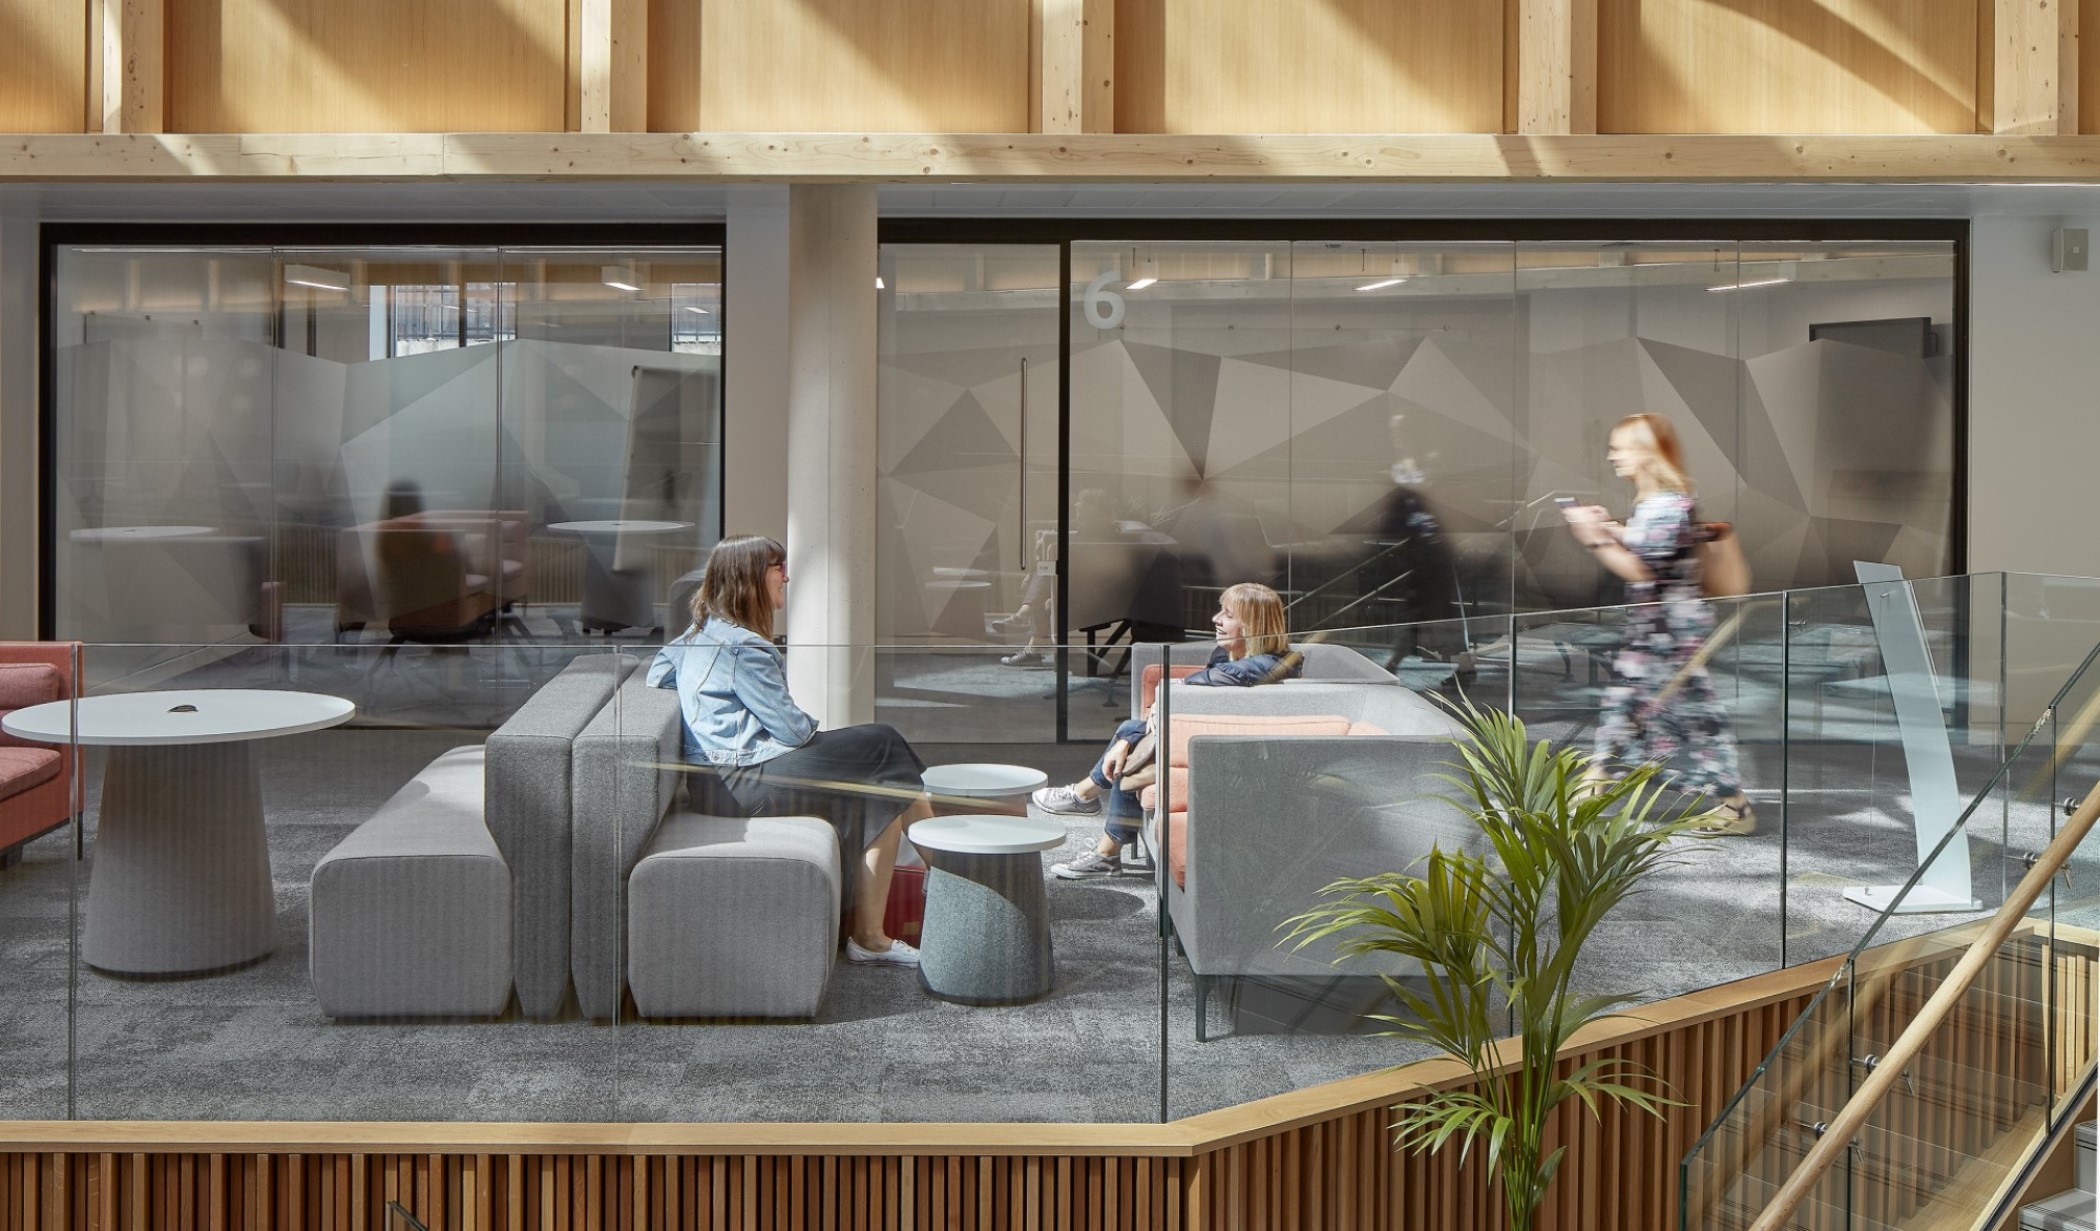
(898, 954)
(1064, 801)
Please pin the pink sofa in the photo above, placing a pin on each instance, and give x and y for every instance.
(36, 780)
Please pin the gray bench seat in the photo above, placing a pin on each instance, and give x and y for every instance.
(411, 912)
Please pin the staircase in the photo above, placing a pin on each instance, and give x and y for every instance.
(2072, 1209)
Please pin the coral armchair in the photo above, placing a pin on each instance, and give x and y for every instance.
(36, 780)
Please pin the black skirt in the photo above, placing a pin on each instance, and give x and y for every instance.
(858, 778)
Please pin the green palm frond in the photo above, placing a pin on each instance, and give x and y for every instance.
(1558, 854)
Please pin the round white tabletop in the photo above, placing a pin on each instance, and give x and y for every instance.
(987, 835)
(187, 716)
(619, 526)
(113, 534)
(983, 780)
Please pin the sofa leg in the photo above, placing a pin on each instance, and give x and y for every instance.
(11, 857)
(1202, 1009)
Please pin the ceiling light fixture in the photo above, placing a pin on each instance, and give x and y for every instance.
(1148, 273)
(317, 278)
(878, 282)
(701, 311)
(1402, 269)
(620, 278)
(1744, 286)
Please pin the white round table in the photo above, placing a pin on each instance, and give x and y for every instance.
(986, 939)
(977, 781)
(615, 598)
(181, 882)
(119, 534)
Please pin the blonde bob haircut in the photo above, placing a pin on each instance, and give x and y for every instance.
(1260, 612)
(1658, 436)
(734, 586)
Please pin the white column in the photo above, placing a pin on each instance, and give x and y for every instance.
(755, 363)
(831, 450)
(18, 429)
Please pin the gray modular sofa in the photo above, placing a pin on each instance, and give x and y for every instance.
(511, 866)
(1317, 663)
(1273, 817)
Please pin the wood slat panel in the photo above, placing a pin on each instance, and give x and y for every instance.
(825, 65)
(1790, 66)
(1296, 66)
(1325, 1170)
(674, 67)
(394, 66)
(44, 55)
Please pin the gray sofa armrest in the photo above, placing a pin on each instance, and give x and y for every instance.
(1274, 819)
(529, 784)
(624, 767)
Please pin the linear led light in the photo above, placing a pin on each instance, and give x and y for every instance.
(620, 278)
(878, 282)
(1379, 286)
(317, 278)
(701, 311)
(1148, 273)
(1744, 286)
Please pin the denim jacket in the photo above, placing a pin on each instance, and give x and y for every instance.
(1246, 672)
(732, 688)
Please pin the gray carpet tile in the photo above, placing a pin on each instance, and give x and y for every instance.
(252, 1044)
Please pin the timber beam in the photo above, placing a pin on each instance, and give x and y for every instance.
(743, 157)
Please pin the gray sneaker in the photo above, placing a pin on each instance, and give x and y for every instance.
(1064, 801)
(1089, 866)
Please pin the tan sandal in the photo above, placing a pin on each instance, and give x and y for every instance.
(1728, 821)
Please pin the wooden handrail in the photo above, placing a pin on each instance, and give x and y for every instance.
(1850, 1118)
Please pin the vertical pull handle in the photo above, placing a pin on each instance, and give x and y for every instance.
(1021, 517)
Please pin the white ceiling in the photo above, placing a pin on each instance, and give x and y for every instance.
(445, 201)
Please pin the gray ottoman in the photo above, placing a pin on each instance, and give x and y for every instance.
(733, 917)
(411, 912)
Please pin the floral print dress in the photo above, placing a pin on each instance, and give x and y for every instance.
(1671, 619)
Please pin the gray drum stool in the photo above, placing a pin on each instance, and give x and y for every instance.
(986, 939)
(728, 917)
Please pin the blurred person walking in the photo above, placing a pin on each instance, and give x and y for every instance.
(1661, 704)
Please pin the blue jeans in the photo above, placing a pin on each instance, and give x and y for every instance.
(1123, 812)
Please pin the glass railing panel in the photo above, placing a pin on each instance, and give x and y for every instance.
(302, 902)
(1961, 1116)
(39, 889)
(2071, 906)
(1709, 711)
(1269, 793)
(1757, 1141)
(762, 898)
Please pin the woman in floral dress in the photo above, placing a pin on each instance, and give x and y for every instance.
(1656, 552)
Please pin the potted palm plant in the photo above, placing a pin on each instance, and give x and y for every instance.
(1562, 847)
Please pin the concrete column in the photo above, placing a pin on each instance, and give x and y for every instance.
(831, 450)
(18, 428)
(755, 363)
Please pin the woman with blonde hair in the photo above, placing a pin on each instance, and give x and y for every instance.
(1252, 649)
(1661, 703)
(742, 724)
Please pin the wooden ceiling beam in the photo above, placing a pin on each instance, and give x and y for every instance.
(738, 157)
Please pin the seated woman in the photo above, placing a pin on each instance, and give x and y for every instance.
(741, 722)
(1252, 649)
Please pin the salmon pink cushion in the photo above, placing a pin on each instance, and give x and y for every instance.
(1148, 684)
(22, 768)
(23, 685)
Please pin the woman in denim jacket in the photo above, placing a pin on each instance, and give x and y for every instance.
(741, 722)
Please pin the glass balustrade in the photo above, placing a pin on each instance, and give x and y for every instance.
(482, 879)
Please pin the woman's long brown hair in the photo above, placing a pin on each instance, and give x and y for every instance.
(734, 586)
(1658, 435)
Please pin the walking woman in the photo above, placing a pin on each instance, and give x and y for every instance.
(1661, 704)
(740, 720)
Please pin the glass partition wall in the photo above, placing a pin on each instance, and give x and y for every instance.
(325, 443)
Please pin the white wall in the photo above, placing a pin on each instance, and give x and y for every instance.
(2034, 402)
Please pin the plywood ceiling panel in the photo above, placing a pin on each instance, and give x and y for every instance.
(856, 66)
(371, 66)
(43, 65)
(1788, 66)
(1249, 66)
